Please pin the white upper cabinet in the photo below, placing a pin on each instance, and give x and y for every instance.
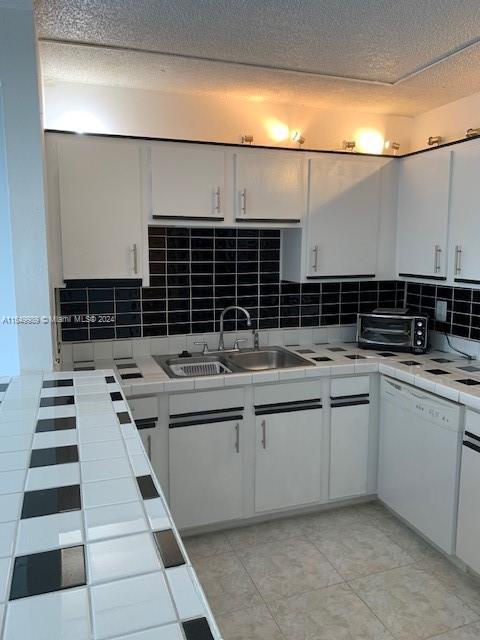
(423, 200)
(343, 215)
(188, 181)
(100, 198)
(465, 212)
(269, 185)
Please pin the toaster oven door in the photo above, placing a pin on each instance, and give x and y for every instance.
(384, 330)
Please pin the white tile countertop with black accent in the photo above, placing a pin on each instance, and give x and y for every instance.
(88, 549)
(446, 374)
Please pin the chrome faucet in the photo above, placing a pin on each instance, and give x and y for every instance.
(221, 343)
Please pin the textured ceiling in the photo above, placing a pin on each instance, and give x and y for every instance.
(388, 56)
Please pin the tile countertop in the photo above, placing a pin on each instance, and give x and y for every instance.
(444, 373)
(88, 549)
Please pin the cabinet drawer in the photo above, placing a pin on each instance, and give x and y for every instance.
(206, 402)
(144, 408)
(472, 422)
(351, 386)
(288, 392)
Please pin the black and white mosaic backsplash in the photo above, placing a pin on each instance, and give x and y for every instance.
(195, 273)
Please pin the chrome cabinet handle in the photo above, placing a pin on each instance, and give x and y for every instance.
(458, 259)
(243, 202)
(135, 258)
(315, 257)
(437, 255)
(237, 437)
(264, 433)
(149, 447)
(217, 205)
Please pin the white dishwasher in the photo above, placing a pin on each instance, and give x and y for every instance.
(419, 460)
(468, 536)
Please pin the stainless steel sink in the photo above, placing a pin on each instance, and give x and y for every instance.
(263, 359)
(225, 362)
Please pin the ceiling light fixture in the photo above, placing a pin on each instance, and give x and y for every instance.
(247, 139)
(348, 145)
(472, 133)
(392, 146)
(369, 141)
(434, 140)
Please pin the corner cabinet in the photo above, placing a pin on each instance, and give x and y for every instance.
(100, 203)
(423, 206)
(288, 469)
(188, 181)
(269, 186)
(344, 203)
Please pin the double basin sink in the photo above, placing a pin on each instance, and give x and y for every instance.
(226, 362)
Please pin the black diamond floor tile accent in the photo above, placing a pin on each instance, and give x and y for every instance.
(116, 395)
(147, 487)
(48, 571)
(304, 351)
(109, 379)
(386, 354)
(167, 545)
(470, 368)
(410, 363)
(322, 359)
(123, 417)
(44, 502)
(355, 356)
(469, 382)
(57, 401)
(56, 424)
(50, 384)
(197, 629)
(441, 360)
(130, 376)
(437, 372)
(54, 455)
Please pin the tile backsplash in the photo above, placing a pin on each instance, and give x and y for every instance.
(195, 273)
(463, 307)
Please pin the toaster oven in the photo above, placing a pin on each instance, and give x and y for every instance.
(393, 329)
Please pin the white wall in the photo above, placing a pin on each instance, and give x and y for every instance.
(23, 234)
(450, 121)
(201, 117)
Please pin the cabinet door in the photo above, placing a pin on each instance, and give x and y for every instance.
(349, 450)
(206, 473)
(100, 207)
(288, 459)
(343, 216)
(468, 532)
(269, 186)
(188, 181)
(423, 193)
(465, 211)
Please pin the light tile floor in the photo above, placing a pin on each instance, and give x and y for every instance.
(355, 573)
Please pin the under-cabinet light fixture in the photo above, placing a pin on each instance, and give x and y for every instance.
(348, 145)
(247, 139)
(434, 140)
(472, 133)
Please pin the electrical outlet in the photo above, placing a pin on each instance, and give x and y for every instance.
(441, 310)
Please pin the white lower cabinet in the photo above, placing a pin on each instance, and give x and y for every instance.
(145, 414)
(349, 446)
(288, 458)
(206, 471)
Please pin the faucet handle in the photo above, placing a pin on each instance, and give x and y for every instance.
(203, 344)
(237, 342)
